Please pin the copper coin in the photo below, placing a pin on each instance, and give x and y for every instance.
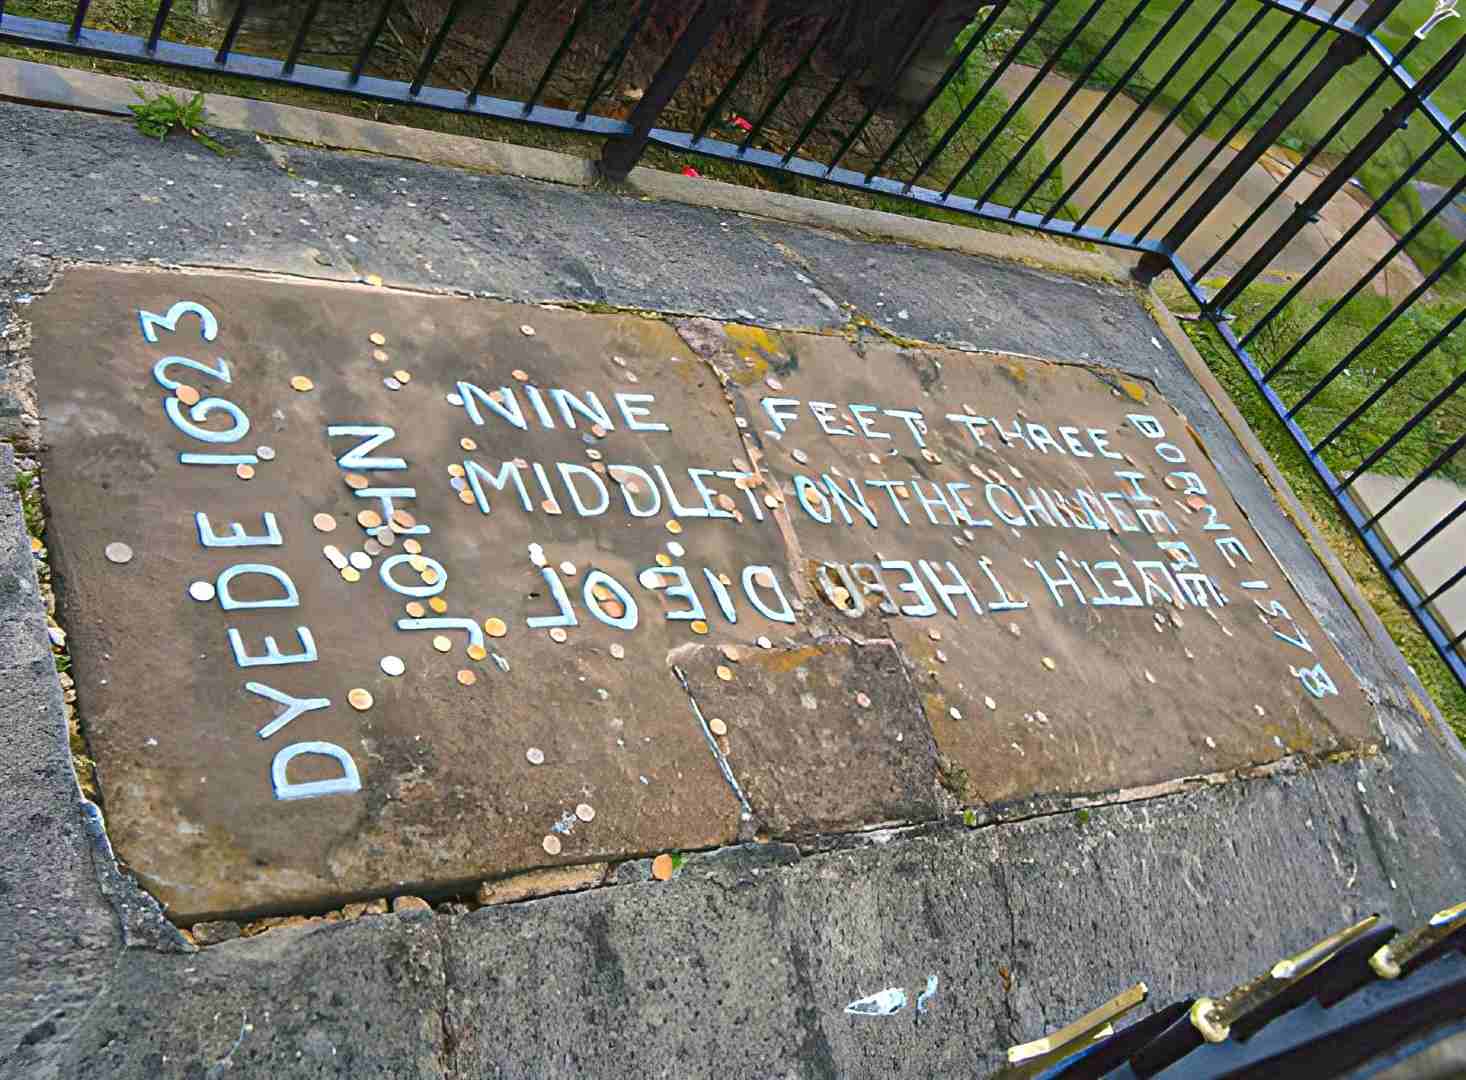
(187, 394)
(301, 383)
(477, 652)
(558, 635)
(466, 677)
(520, 374)
(416, 610)
(324, 522)
(412, 547)
(244, 472)
(550, 506)
(429, 577)
(369, 519)
(614, 608)
(438, 604)
(726, 502)
(495, 627)
(466, 497)
(468, 444)
(355, 481)
(717, 727)
(699, 627)
(403, 518)
(361, 700)
(674, 527)
(598, 431)
(662, 867)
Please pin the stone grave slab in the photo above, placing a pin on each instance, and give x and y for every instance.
(948, 579)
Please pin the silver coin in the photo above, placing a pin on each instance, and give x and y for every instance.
(334, 556)
(535, 756)
(454, 399)
(118, 552)
(676, 550)
(391, 383)
(385, 536)
(371, 547)
(265, 453)
(360, 559)
(201, 591)
(393, 665)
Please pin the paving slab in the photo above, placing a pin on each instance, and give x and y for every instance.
(396, 590)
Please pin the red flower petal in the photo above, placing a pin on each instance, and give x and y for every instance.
(688, 170)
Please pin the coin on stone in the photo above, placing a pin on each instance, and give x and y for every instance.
(334, 556)
(614, 608)
(551, 844)
(466, 677)
(520, 375)
(418, 563)
(699, 627)
(598, 431)
(585, 811)
(663, 559)
(429, 576)
(773, 383)
(618, 651)
(118, 552)
(412, 547)
(467, 443)
(360, 559)
(534, 755)
(361, 700)
(495, 627)
(675, 549)
(441, 643)
(934, 634)
(369, 519)
(955, 713)
(201, 591)
(403, 519)
(477, 652)
(393, 665)
(765, 643)
(550, 506)
(558, 636)
(863, 700)
(324, 522)
(351, 574)
(456, 469)
(674, 527)
(372, 548)
(301, 383)
(990, 703)
(1048, 662)
(380, 356)
(567, 568)
(376, 337)
(527, 330)
(244, 471)
(662, 867)
(355, 481)
(725, 673)
(187, 394)
(717, 727)
(466, 497)
(391, 382)
(726, 502)
(374, 280)
(402, 376)
(771, 502)
(415, 610)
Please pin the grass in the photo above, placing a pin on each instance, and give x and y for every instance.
(1353, 320)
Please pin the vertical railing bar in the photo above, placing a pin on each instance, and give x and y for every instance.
(496, 52)
(488, 68)
(232, 32)
(575, 23)
(980, 95)
(298, 45)
(1384, 260)
(1404, 430)
(1384, 324)
(1221, 144)
(1100, 109)
(1338, 245)
(1444, 587)
(1017, 106)
(1075, 85)
(431, 56)
(1175, 111)
(783, 89)
(953, 69)
(1394, 377)
(1345, 115)
(77, 19)
(159, 21)
(824, 106)
(1430, 534)
(359, 65)
(611, 69)
(716, 108)
(883, 96)
(1405, 492)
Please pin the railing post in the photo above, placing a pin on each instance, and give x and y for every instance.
(619, 156)
(1344, 51)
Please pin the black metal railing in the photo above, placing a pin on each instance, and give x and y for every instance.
(1280, 147)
